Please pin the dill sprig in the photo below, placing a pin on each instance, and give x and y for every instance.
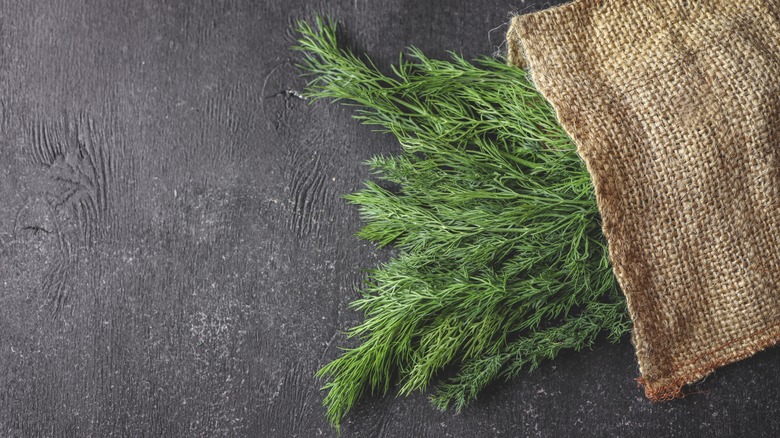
(501, 263)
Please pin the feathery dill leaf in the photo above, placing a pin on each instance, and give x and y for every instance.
(502, 262)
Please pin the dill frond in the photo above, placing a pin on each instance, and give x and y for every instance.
(502, 261)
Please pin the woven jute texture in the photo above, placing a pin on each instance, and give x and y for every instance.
(674, 106)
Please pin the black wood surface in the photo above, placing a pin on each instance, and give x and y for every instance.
(175, 257)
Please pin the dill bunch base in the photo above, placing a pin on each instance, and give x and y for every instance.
(502, 263)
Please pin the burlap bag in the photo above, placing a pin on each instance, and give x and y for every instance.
(674, 106)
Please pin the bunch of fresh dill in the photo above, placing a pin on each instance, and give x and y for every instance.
(501, 258)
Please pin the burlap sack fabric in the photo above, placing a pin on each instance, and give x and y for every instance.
(674, 106)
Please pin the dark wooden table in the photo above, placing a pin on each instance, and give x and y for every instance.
(175, 257)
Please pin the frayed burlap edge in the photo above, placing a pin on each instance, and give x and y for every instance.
(514, 46)
(671, 387)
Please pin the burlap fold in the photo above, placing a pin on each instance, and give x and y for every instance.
(674, 106)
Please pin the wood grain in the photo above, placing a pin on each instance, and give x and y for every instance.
(175, 255)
